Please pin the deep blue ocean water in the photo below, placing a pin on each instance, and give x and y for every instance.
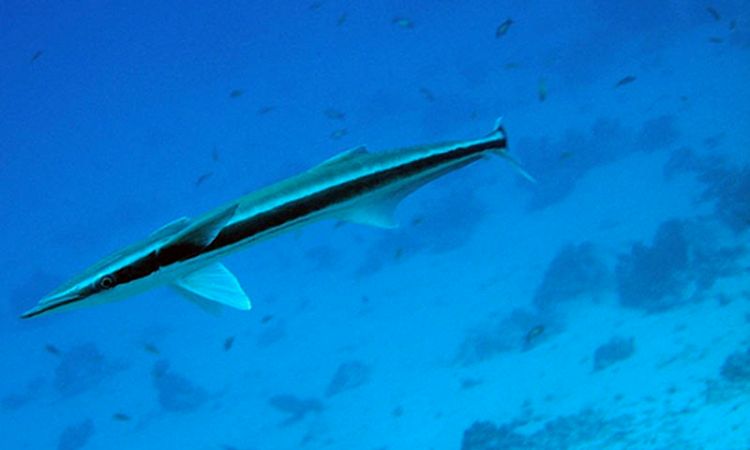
(605, 307)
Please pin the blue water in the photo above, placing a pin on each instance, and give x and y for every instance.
(606, 306)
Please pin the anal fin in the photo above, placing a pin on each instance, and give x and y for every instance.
(378, 209)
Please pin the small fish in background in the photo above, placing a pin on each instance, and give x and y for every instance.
(503, 28)
(267, 318)
(334, 114)
(714, 13)
(469, 383)
(566, 155)
(716, 40)
(215, 157)
(403, 22)
(151, 348)
(625, 80)
(338, 134)
(263, 110)
(203, 178)
(294, 407)
(228, 343)
(532, 336)
(427, 94)
(121, 417)
(511, 66)
(52, 350)
(37, 54)
(542, 90)
(733, 24)
(314, 6)
(341, 20)
(236, 93)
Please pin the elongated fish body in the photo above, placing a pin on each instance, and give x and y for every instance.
(355, 186)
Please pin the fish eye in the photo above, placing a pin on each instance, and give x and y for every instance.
(106, 282)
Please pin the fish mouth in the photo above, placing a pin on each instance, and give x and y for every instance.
(50, 303)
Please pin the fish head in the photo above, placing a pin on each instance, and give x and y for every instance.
(123, 274)
(82, 291)
(140, 267)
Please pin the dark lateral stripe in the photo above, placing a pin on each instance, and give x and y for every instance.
(283, 215)
(318, 201)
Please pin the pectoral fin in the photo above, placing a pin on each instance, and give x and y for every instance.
(214, 283)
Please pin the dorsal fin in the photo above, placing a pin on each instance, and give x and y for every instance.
(348, 155)
(170, 228)
(202, 232)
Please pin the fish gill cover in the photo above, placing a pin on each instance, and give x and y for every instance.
(604, 306)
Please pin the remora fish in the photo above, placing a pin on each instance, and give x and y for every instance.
(355, 186)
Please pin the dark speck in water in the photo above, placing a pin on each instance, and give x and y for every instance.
(294, 407)
(121, 417)
(403, 22)
(714, 13)
(52, 350)
(625, 80)
(469, 383)
(151, 348)
(338, 134)
(203, 178)
(334, 114)
(228, 343)
(37, 54)
(503, 28)
(533, 336)
(427, 94)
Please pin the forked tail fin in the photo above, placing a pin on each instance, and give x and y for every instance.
(502, 150)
